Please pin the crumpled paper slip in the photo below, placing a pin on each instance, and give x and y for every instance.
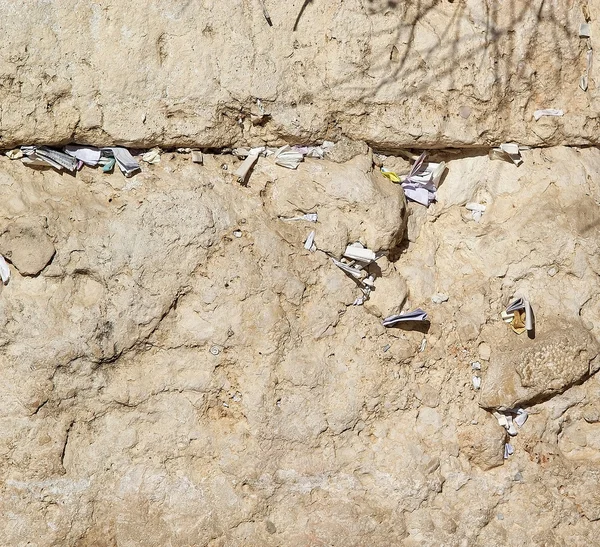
(90, 155)
(126, 162)
(547, 112)
(14, 154)
(390, 174)
(286, 157)
(44, 156)
(420, 185)
(4, 270)
(477, 210)
(152, 156)
(314, 151)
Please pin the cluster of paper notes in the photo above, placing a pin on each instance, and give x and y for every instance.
(286, 156)
(519, 315)
(73, 157)
(509, 420)
(420, 185)
(355, 263)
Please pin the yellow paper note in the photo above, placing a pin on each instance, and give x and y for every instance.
(518, 322)
(390, 175)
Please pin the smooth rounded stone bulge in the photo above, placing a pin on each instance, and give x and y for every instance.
(26, 244)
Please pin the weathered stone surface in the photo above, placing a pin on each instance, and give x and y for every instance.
(483, 443)
(26, 244)
(559, 356)
(391, 73)
(165, 379)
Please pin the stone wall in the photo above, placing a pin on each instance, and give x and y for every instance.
(427, 73)
(178, 370)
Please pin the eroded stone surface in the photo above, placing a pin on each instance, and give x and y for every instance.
(559, 356)
(483, 442)
(391, 73)
(163, 378)
(27, 245)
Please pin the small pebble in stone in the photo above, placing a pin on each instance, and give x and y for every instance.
(484, 351)
(439, 298)
(476, 365)
(386, 347)
(476, 382)
(237, 233)
(464, 112)
(215, 350)
(553, 271)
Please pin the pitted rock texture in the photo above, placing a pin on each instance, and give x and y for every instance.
(390, 73)
(26, 244)
(560, 356)
(166, 382)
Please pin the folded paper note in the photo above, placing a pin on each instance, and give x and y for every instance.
(584, 30)
(42, 155)
(243, 171)
(416, 315)
(521, 307)
(309, 217)
(547, 112)
(4, 270)
(355, 272)
(310, 240)
(286, 157)
(90, 155)
(420, 185)
(14, 154)
(355, 252)
(126, 162)
(152, 156)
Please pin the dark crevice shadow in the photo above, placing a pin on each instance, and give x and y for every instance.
(413, 326)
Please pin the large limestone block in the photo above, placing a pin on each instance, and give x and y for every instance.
(27, 245)
(551, 363)
(389, 73)
(343, 196)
